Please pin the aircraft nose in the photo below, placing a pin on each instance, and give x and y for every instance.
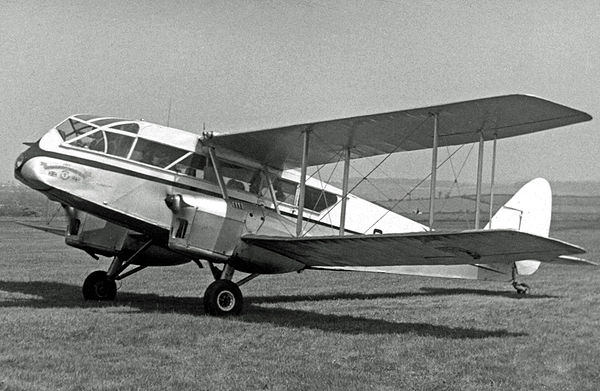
(27, 171)
(19, 162)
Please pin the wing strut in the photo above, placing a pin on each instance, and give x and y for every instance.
(433, 170)
(302, 182)
(478, 187)
(345, 190)
(492, 180)
(272, 192)
(215, 163)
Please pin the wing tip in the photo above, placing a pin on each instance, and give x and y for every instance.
(583, 116)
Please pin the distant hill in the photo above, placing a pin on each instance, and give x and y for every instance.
(580, 189)
(384, 189)
(583, 197)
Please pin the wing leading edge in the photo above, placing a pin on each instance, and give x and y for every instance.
(397, 131)
(430, 248)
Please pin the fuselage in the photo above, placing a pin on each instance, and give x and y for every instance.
(122, 171)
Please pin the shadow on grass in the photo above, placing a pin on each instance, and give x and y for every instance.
(45, 294)
(483, 292)
(354, 325)
(425, 291)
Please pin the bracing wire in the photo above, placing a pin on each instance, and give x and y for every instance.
(49, 218)
(456, 176)
(414, 187)
(372, 170)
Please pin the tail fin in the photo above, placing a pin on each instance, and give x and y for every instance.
(529, 210)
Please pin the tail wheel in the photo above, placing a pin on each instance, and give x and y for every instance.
(521, 288)
(223, 298)
(97, 286)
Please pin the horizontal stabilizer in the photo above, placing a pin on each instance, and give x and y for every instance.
(573, 261)
(422, 248)
(43, 227)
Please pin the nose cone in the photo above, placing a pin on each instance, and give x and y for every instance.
(27, 170)
(19, 165)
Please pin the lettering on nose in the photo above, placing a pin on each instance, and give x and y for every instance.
(64, 172)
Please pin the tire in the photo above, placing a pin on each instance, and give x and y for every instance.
(223, 298)
(97, 286)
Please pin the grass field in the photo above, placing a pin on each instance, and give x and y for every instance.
(308, 331)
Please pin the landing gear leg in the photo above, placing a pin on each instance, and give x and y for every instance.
(520, 287)
(101, 285)
(223, 297)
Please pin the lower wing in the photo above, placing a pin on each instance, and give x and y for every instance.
(429, 248)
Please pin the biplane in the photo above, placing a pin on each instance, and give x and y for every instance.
(150, 195)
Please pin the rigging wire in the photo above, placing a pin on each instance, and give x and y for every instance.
(456, 176)
(414, 187)
(372, 170)
(49, 218)
(339, 155)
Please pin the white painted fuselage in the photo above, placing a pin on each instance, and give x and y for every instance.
(131, 192)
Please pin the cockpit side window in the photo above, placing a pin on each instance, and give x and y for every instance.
(94, 141)
(72, 128)
(156, 154)
(107, 121)
(105, 142)
(118, 144)
(131, 128)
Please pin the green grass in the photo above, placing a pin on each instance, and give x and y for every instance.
(314, 330)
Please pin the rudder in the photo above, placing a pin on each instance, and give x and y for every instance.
(529, 210)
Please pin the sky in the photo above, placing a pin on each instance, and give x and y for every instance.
(244, 65)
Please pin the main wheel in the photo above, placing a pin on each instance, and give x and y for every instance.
(223, 298)
(97, 286)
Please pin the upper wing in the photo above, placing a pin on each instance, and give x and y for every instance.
(407, 130)
(429, 248)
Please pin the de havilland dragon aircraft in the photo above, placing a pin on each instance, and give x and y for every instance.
(150, 195)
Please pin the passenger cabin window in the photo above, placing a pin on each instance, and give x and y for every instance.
(314, 199)
(285, 191)
(318, 200)
(243, 178)
(197, 166)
